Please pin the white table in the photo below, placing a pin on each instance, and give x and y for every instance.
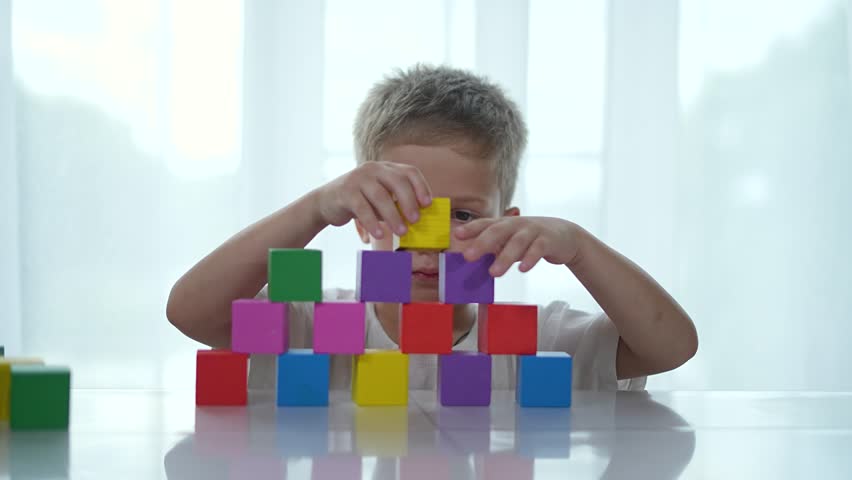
(148, 435)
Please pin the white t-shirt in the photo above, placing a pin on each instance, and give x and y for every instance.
(591, 339)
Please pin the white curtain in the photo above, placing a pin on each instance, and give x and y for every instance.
(10, 284)
(707, 140)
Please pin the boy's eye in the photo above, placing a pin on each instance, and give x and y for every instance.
(463, 216)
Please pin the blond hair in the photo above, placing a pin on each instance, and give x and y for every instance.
(428, 104)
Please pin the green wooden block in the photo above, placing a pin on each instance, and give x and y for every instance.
(39, 397)
(295, 275)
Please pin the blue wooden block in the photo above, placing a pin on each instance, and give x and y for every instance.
(303, 378)
(544, 380)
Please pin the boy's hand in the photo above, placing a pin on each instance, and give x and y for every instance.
(524, 239)
(370, 193)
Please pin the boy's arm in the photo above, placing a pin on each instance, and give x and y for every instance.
(200, 302)
(656, 334)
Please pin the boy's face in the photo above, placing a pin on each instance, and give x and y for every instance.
(453, 171)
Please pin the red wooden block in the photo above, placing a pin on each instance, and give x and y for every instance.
(221, 377)
(510, 329)
(426, 328)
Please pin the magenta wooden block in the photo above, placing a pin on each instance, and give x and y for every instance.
(461, 281)
(259, 326)
(464, 379)
(383, 276)
(339, 327)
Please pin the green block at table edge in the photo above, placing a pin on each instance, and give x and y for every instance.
(295, 275)
(39, 397)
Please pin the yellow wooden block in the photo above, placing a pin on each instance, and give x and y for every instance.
(381, 431)
(432, 230)
(6, 380)
(380, 377)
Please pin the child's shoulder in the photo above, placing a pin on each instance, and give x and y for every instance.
(564, 328)
(560, 311)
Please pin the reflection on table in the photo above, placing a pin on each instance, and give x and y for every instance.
(428, 441)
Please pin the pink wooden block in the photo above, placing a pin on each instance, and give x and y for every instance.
(259, 326)
(339, 327)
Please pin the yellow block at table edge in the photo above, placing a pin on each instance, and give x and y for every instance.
(380, 377)
(6, 380)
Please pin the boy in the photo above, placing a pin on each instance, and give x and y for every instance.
(439, 132)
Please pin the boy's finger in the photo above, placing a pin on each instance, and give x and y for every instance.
(405, 196)
(473, 228)
(365, 214)
(512, 252)
(421, 187)
(384, 205)
(532, 256)
(489, 241)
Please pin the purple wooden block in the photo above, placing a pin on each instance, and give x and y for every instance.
(383, 276)
(461, 281)
(259, 326)
(339, 327)
(464, 378)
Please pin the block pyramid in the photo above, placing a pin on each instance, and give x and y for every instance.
(380, 377)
